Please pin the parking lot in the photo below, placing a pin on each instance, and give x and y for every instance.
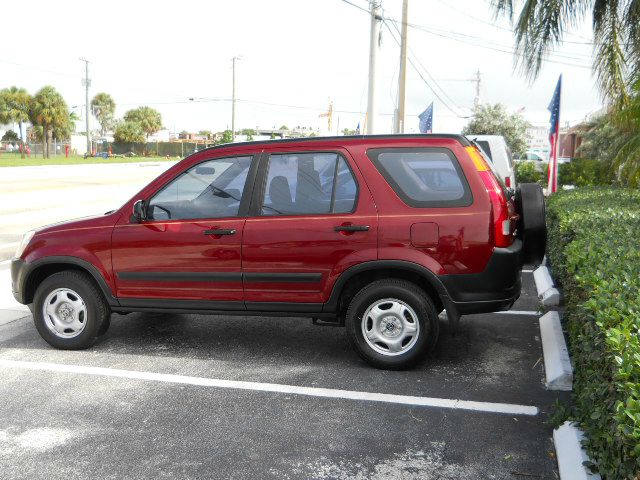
(193, 396)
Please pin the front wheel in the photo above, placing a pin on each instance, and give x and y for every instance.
(69, 311)
(392, 324)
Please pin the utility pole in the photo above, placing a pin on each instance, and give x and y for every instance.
(374, 38)
(233, 100)
(402, 77)
(477, 80)
(87, 83)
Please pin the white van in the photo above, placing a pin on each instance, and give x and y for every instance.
(498, 152)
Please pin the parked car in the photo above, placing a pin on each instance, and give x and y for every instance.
(499, 153)
(375, 233)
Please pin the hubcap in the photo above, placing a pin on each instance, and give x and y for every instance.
(390, 326)
(64, 313)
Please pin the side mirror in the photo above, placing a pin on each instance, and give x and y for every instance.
(139, 212)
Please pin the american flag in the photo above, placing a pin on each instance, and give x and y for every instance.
(554, 135)
(426, 120)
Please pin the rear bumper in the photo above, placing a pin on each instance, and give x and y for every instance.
(495, 289)
(18, 274)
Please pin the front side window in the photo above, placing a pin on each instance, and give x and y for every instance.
(308, 183)
(211, 189)
(423, 177)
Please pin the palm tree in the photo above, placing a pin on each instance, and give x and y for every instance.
(49, 111)
(148, 118)
(628, 157)
(104, 108)
(14, 108)
(541, 24)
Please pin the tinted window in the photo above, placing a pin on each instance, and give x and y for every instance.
(211, 189)
(308, 183)
(426, 177)
(485, 147)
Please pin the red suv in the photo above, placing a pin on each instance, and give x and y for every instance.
(376, 233)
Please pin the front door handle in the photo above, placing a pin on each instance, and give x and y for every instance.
(220, 231)
(351, 228)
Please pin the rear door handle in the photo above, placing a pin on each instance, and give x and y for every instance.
(351, 228)
(220, 231)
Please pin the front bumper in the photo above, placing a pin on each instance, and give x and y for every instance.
(18, 275)
(494, 289)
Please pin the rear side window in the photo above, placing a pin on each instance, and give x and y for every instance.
(423, 177)
(308, 183)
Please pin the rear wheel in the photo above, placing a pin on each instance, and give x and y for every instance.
(392, 323)
(532, 228)
(69, 311)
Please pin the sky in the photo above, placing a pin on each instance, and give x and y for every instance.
(296, 57)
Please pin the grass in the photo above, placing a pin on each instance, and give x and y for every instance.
(14, 160)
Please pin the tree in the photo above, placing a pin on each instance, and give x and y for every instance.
(129, 132)
(205, 133)
(148, 118)
(249, 133)
(495, 120)
(627, 160)
(14, 108)
(104, 108)
(541, 25)
(10, 136)
(226, 137)
(347, 131)
(49, 111)
(283, 127)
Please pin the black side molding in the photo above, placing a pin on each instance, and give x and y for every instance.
(182, 276)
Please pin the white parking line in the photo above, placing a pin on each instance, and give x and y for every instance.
(527, 271)
(520, 312)
(505, 408)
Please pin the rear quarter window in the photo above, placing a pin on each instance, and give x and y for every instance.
(423, 177)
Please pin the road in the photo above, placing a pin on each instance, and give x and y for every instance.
(35, 196)
(193, 396)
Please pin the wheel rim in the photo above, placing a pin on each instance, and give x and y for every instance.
(64, 313)
(390, 327)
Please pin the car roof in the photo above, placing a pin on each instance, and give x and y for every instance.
(343, 138)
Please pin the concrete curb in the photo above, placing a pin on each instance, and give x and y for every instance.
(547, 293)
(570, 454)
(557, 366)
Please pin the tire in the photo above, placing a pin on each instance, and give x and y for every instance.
(533, 228)
(69, 311)
(395, 296)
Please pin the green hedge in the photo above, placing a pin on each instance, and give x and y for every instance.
(594, 251)
(580, 172)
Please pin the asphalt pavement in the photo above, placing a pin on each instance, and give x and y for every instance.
(193, 396)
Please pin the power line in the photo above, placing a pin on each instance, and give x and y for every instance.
(415, 57)
(444, 102)
(357, 6)
(505, 29)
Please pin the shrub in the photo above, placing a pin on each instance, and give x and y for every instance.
(593, 249)
(529, 172)
(585, 172)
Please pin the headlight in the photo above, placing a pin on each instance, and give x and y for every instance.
(26, 238)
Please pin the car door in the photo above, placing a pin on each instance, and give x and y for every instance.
(187, 252)
(311, 218)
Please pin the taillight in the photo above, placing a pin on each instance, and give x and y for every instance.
(507, 182)
(500, 215)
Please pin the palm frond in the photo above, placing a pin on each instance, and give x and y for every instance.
(502, 7)
(609, 62)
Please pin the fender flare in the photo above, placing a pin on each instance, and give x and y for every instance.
(331, 305)
(77, 262)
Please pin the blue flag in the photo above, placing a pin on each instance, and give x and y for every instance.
(426, 120)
